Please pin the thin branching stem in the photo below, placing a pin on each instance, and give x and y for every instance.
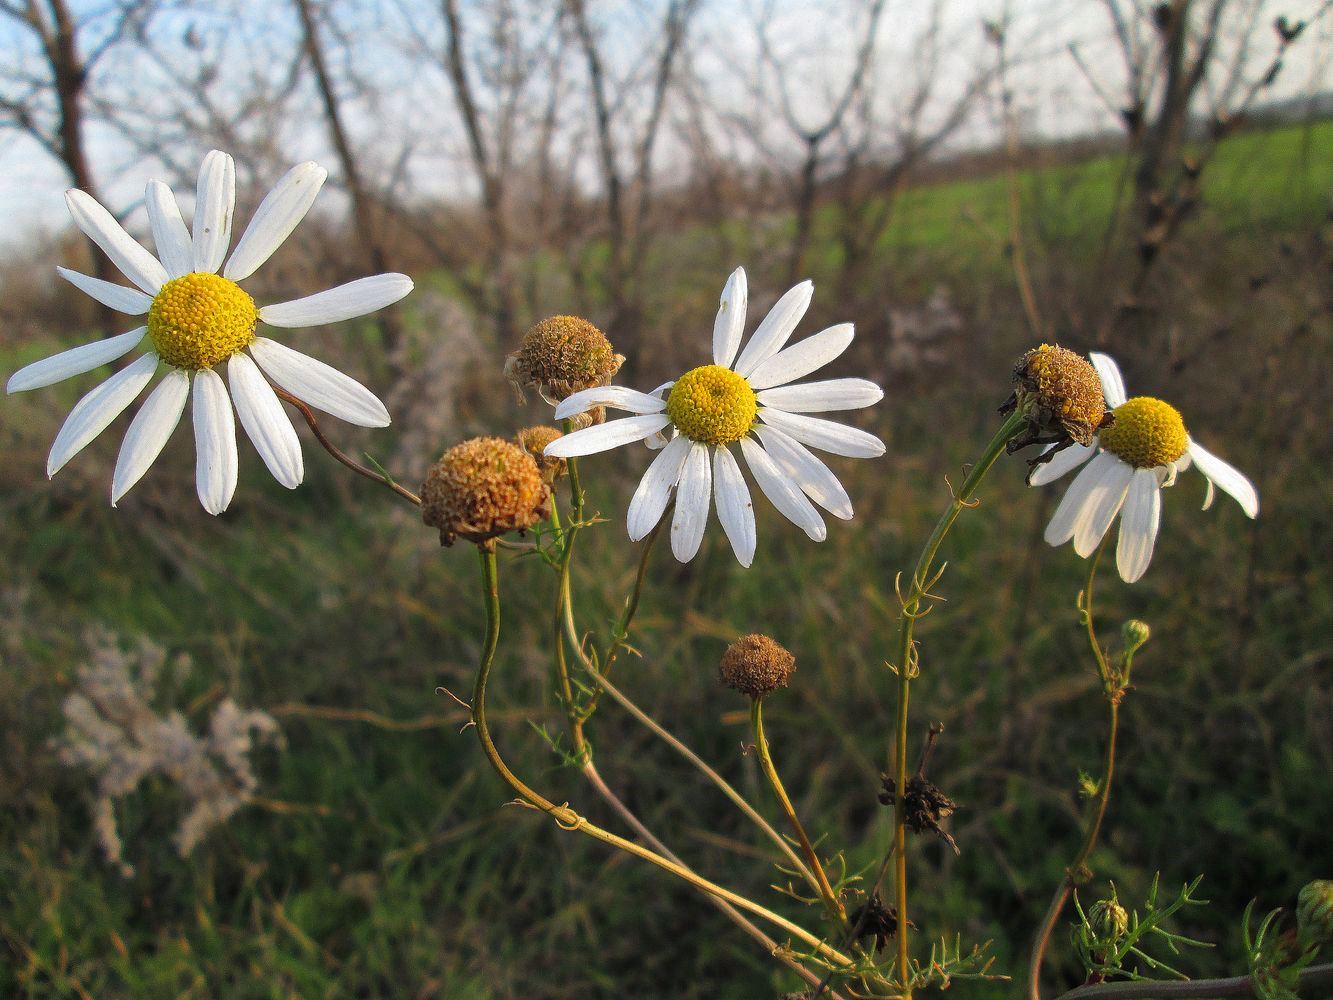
(1312, 981)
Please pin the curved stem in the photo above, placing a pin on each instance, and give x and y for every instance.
(835, 907)
(1078, 872)
(570, 820)
(906, 667)
(342, 456)
(1237, 986)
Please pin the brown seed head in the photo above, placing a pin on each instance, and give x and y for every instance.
(756, 665)
(1060, 393)
(534, 440)
(560, 356)
(483, 488)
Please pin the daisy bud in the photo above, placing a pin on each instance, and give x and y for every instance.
(1060, 394)
(756, 665)
(534, 440)
(1133, 634)
(1108, 920)
(483, 488)
(1314, 914)
(560, 356)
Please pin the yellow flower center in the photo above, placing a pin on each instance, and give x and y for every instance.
(712, 405)
(199, 319)
(1146, 433)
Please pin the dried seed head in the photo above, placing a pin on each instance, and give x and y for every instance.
(1314, 914)
(876, 920)
(483, 488)
(1108, 920)
(1060, 393)
(756, 665)
(926, 805)
(560, 356)
(534, 440)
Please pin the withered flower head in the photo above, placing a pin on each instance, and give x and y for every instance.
(560, 356)
(756, 665)
(926, 805)
(1060, 393)
(534, 440)
(483, 488)
(877, 920)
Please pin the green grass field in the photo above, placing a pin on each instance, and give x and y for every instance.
(386, 862)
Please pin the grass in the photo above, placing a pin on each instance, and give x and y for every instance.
(401, 871)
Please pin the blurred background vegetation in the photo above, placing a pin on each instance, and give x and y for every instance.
(1189, 238)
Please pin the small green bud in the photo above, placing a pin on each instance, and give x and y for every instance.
(1108, 920)
(1314, 913)
(1133, 634)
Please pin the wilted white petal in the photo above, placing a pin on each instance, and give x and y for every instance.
(814, 477)
(1113, 383)
(149, 431)
(216, 464)
(735, 509)
(98, 225)
(1209, 494)
(356, 298)
(1101, 506)
(1227, 477)
(617, 396)
(835, 438)
(782, 492)
(265, 422)
(1138, 526)
(215, 201)
(278, 214)
(654, 490)
(820, 397)
(174, 248)
(692, 500)
(323, 387)
(730, 322)
(127, 300)
(75, 361)
(604, 437)
(94, 411)
(1065, 461)
(801, 359)
(1071, 507)
(776, 328)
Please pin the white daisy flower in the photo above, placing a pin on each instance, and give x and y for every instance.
(743, 400)
(199, 320)
(1136, 457)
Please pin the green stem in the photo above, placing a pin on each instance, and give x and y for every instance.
(906, 667)
(1311, 980)
(1078, 872)
(570, 820)
(835, 907)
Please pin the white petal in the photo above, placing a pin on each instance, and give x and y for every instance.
(127, 300)
(837, 439)
(735, 509)
(654, 490)
(215, 201)
(1227, 477)
(169, 233)
(820, 397)
(149, 431)
(730, 322)
(616, 396)
(801, 359)
(1066, 461)
(278, 214)
(1209, 494)
(814, 477)
(356, 298)
(692, 499)
(75, 361)
(94, 411)
(782, 492)
(1102, 505)
(216, 465)
(1138, 526)
(265, 421)
(604, 437)
(1113, 383)
(321, 386)
(776, 328)
(98, 225)
(1070, 510)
